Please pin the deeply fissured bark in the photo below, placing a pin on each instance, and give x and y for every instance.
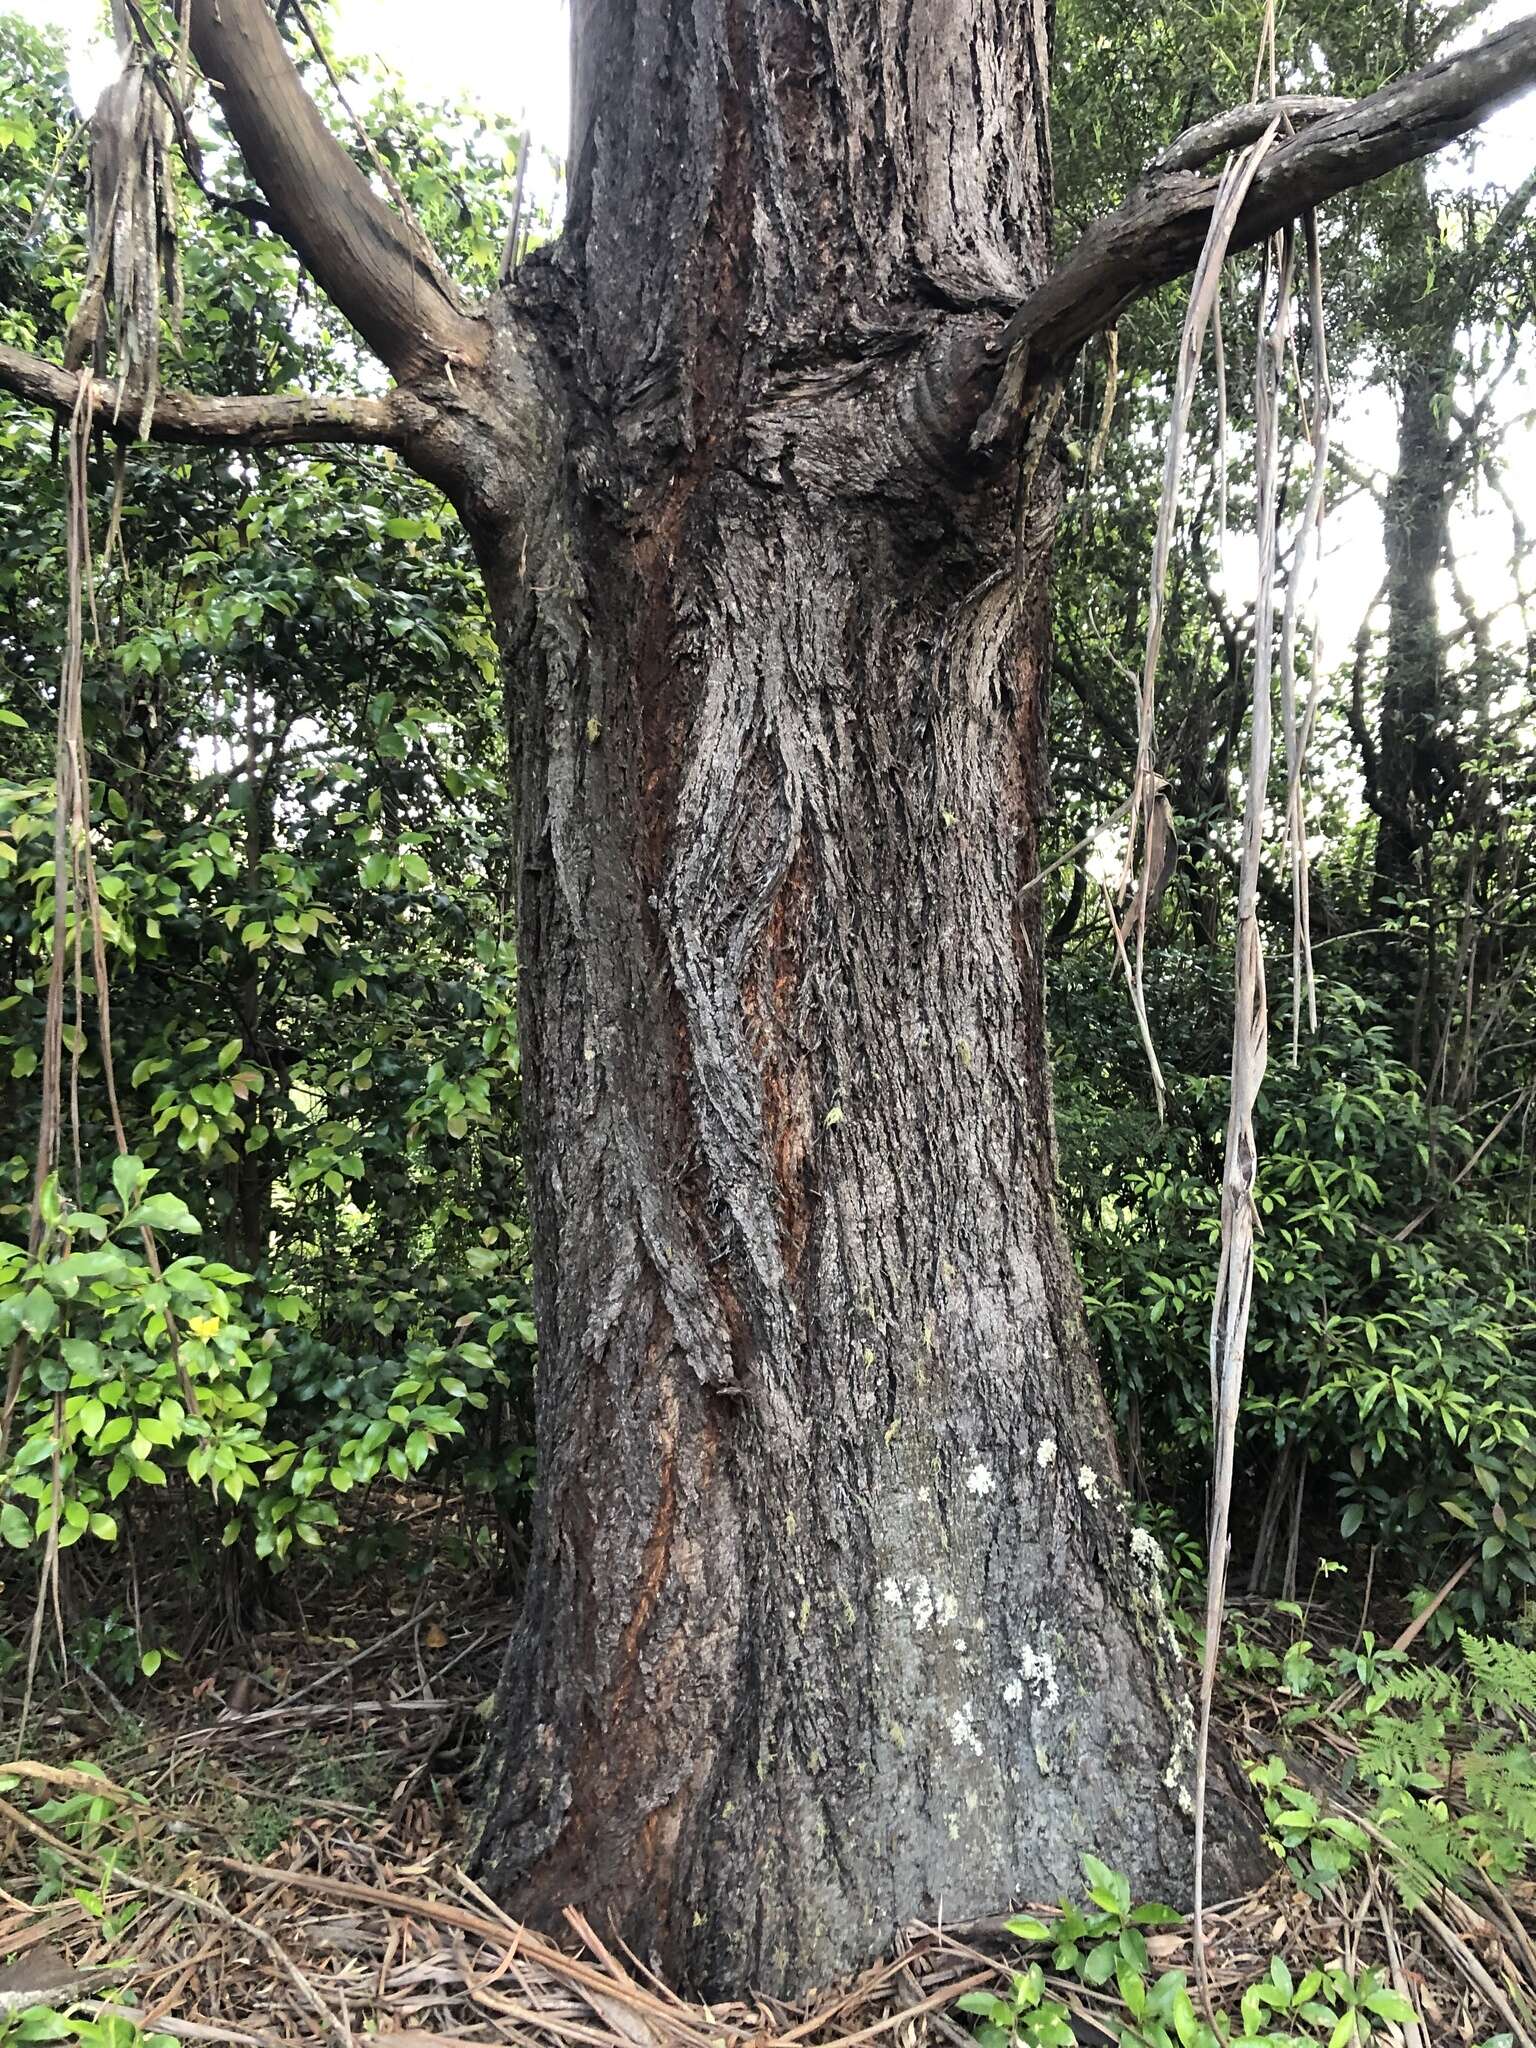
(834, 1617)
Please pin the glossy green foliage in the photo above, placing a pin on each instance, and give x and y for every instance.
(1402, 1370)
(299, 825)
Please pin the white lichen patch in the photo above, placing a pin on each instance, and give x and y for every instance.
(980, 1481)
(962, 1730)
(1045, 1456)
(1036, 1680)
(922, 1604)
(1176, 1776)
(1088, 1483)
(1037, 1668)
(1151, 1569)
(890, 1592)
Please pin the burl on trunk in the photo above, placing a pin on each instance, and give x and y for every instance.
(834, 1617)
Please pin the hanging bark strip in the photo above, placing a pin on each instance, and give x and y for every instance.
(65, 761)
(76, 908)
(1234, 1278)
(1149, 834)
(67, 836)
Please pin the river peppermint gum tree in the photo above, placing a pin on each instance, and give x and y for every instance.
(833, 1616)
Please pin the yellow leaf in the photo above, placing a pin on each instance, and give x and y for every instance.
(204, 1326)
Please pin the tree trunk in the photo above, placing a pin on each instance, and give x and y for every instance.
(1416, 765)
(834, 1615)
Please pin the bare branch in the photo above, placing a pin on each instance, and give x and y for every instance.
(223, 422)
(1157, 234)
(364, 256)
(1241, 125)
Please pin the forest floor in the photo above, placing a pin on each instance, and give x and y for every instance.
(265, 1844)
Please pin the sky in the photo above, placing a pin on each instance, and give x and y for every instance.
(513, 55)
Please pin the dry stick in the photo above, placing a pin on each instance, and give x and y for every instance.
(1138, 1000)
(1093, 832)
(1413, 2033)
(66, 835)
(1420, 1621)
(509, 253)
(260, 1934)
(1234, 1278)
(80, 784)
(1470, 1967)
(1526, 1095)
(1219, 355)
(538, 1947)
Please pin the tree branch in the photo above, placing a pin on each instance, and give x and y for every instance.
(1157, 234)
(222, 422)
(1238, 125)
(379, 273)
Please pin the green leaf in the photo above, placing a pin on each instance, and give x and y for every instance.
(167, 1212)
(1389, 2005)
(39, 1311)
(128, 1176)
(15, 1527)
(1154, 1915)
(1099, 1965)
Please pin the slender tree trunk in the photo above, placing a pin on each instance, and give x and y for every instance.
(834, 1615)
(1416, 769)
